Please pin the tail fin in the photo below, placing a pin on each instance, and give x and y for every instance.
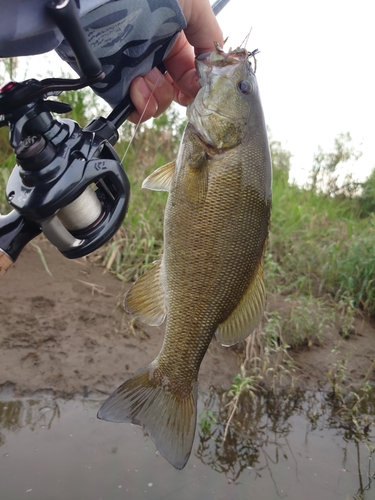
(168, 416)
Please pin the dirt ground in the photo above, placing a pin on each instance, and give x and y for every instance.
(68, 333)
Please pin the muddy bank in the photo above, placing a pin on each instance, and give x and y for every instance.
(69, 334)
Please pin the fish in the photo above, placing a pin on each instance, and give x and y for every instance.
(209, 280)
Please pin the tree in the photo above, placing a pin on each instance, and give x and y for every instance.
(10, 65)
(367, 197)
(327, 172)
(280, 161)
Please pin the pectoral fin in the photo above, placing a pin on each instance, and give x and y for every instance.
(161, 179)
(145, 299)
(196, 182)
(245, 318)
(194, 175)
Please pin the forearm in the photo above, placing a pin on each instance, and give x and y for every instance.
(129, 37)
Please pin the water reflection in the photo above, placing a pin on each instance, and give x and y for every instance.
(278, 446)
(14, 415)
(259, 437)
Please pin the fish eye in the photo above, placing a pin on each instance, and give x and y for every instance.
(245, 87)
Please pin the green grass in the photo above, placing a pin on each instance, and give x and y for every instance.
(318, 243)
(140, 240)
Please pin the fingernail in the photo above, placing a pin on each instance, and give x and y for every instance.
(183, 98)
(143, 88)
(154, 77)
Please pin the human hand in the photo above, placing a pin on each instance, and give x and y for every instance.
(153, 93)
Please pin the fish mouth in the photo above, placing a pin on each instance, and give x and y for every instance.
(211, 67)
(219, 62)
(221, 58)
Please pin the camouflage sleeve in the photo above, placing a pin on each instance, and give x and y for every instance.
(129, 37)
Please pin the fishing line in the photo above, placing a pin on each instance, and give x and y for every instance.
(142, 115)
(246, 39)
(83, 211)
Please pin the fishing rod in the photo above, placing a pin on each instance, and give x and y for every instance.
(69, 182)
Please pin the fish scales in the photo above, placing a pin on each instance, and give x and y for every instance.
(192, 249)
(210, 278)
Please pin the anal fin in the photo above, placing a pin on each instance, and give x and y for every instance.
(247, 315)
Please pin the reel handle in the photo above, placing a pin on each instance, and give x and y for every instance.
(15, 232)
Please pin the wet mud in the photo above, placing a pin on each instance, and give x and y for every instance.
(67, 332)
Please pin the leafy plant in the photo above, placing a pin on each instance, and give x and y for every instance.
(206, 421)
(242, 384)
(307, 321)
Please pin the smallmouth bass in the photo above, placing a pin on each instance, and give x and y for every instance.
(210, 278)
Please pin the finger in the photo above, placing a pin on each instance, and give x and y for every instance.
(180, 65)
(202, 26)
(151, 95)
(201, 33)
(182, 98)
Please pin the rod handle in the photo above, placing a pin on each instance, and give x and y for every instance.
(5, 263)
(15, 233)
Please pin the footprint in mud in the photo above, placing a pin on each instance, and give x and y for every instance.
(53, 324)
(31, 359)
(90, 317)
(59, 324)
(90, 343)
(18, 339)
(26, 323)
(43, 303)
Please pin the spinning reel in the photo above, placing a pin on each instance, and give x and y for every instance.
(69, 182)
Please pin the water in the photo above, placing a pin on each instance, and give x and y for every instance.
(294, 448)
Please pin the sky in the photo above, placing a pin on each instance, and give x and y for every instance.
(315, 72)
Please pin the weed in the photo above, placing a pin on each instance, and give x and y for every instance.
(307, 321)
(42, 258)
(274, 274)
(207, 420)
(346, 313)
(338, 373)
(272, 331)
(242, 384)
